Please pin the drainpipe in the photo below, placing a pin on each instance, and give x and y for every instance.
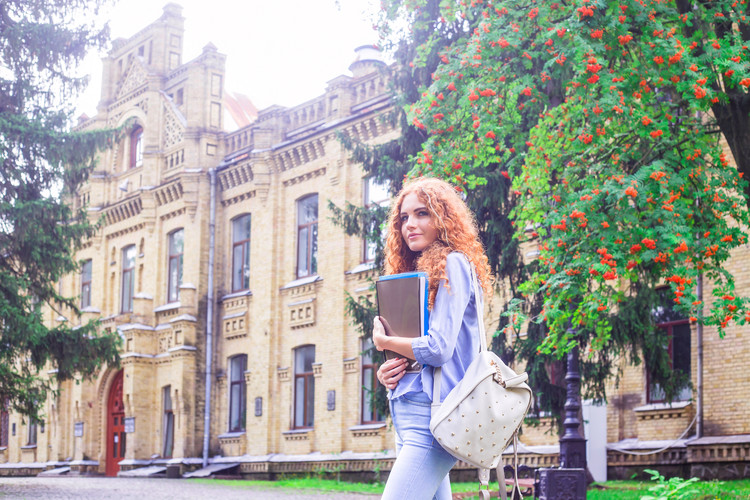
(699, 349)
(209, 318)
(699, 363)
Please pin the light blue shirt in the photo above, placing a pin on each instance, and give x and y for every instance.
(453, 340)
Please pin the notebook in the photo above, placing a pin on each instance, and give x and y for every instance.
(402, 307)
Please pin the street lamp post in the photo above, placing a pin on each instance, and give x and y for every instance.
(572, 444)
(569, 481)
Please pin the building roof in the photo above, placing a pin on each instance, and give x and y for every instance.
(240, 111)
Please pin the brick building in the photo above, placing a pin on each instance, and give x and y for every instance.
(218, 264)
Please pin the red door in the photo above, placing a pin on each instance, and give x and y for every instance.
(115, 427)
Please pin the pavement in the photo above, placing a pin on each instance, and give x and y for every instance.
(95, 488)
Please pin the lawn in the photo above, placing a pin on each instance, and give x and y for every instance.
(611, 490)
(705, 490)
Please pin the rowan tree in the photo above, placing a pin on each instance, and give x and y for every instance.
(43, 162)
(608, 118)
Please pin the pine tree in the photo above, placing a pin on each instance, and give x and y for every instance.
(43, 164)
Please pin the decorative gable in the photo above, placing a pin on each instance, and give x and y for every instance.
(135, 77)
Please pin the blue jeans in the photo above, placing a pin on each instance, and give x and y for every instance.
(422, 465)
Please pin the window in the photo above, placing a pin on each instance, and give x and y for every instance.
(304, 387)
(370, 413)
(678, 346)
(136, 147)
(128, 279)
(167, 426)
(376, 194)
(237, 365)
(32, 433)
(241, 253)
(176, 247)
(4, 425)
(307, 236)
(86, 284)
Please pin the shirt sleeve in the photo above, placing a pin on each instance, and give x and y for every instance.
(447, 314)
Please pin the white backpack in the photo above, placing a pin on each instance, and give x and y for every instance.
(481, 415)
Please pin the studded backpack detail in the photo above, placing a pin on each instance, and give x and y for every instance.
(481, 415)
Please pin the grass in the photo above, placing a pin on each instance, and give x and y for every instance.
(611, 490)
(706, 490)
(305, 483)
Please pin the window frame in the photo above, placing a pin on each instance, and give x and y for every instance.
(245, 246)
(167, 425)
(308, 390)
(126, 303)
(136, 147)
(4, 425)
(86, 283)
(651, 387)
(173, 289)
(32, 433)
(240, 381)
(365, 391)
(311, 244)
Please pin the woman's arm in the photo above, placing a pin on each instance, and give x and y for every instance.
(447, 314)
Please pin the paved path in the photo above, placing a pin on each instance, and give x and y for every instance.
(95, 488)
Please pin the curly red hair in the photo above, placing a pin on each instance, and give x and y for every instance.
(457, 232)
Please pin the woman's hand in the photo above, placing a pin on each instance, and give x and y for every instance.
(379, 336)
(390, 372)
(382, 341)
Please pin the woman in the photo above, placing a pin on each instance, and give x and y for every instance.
(430, 230)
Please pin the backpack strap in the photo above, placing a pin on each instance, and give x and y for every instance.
(501, 480)
(437, 375)
(437, 372)
(501, 473)
(484, 483)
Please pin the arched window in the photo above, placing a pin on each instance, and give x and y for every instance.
(136, 147)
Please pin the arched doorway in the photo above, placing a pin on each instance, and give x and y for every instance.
(115, 426)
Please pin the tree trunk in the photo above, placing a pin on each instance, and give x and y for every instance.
(733, 119)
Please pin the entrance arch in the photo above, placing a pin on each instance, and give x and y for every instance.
(115, 426)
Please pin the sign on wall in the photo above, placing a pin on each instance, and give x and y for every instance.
(129, 423)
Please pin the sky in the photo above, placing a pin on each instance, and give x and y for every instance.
(278, 52)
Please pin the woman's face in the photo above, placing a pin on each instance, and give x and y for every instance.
(417, 227)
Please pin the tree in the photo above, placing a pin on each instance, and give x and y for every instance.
(43, 162)
(608, 118)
